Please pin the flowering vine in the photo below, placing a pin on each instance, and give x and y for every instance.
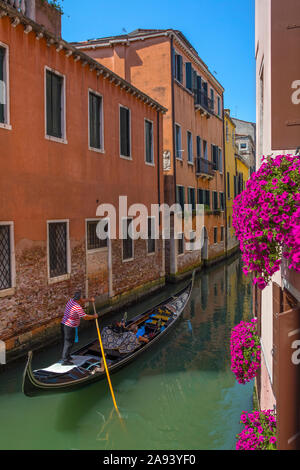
(266, 218)
(245, 351)
(259, 432)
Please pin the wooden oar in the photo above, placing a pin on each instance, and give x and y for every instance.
(105, 365)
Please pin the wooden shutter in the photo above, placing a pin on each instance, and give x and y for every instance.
(198, 101)
(198, 146)
(57, 109)
(95, 121)
(173, 62)
(188, 75)
(200, 196)
(207, 198)
(149, 141)
(2, 88)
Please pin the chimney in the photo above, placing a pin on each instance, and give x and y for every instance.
(45, 14)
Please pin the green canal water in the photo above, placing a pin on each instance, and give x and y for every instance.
(182, 395)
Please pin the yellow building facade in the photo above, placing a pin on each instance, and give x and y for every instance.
(231, 171)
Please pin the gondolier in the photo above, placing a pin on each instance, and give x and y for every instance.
(70, 322)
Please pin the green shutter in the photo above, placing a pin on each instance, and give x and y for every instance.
(95, 124)
(188, 75)
(149, 142)
(54, 85)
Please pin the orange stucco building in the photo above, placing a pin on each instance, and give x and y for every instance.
(164, 65)
(73, 135)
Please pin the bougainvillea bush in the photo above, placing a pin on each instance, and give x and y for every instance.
(245, 351)
(266, 218)
(259, 432)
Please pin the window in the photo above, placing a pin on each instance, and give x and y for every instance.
(151, 235)
(233, 138)
(93, 241)
(178, 148)
(227, 132)
(222, 206)
(95, 121)
(207, 198)
(212, 97)
(222, 234)
(235, 185)
(243, 146)
(55, 105)
(127, 242)
(4, 96)
(178, 68)
(215, 234)
(180, 244)
(200, 196)
(228, 185)
(219, 106)
(58, 248)
(125, 132)
(198, 147)
(6, 256)
(205, 149)
(215, 156)
(229, 221)
(220, 163)
(188, 75)
(190, 147)
(180, 199)
(215, 200)
(191, 198)
(149, 142)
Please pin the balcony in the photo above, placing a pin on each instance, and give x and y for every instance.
(204, 168)
(203, 103)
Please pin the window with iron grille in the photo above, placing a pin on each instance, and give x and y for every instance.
(125, 143)
(95, 120)
(54, 104)
(93, 241)
(180, 244)
(149, 141)
(5, 258)
(151, 235)
(127, 242)
(2, 85)
(58, 249)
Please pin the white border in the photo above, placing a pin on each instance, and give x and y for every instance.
(130, 139)
(64, 277)
(6, 125)
(10, 290)
(145, 142)
(94, 149)
(94, 250)
(180, 150)
(122, 240)
(62, 140)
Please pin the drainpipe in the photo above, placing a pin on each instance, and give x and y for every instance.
(225, 182)
(173, 115)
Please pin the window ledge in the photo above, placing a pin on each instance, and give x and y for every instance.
(93, 149)
(56, 139)
(55, 280)
(150, 164)
(7, 292)
(97, 250)
(191, 163)
(151, 254)
(3, 125)
(127, 260)
(126, 158)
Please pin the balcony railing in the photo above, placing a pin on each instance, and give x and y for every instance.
(204, 167)
(19, 5)
(201, 99)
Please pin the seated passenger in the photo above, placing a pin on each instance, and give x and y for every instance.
(139, 333)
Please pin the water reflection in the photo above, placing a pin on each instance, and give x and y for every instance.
(179, 395)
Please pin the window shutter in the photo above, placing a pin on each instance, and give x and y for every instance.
(207, 198)
(180, 69)
(188, 75)
(200, 196)
(173, 62)
(198, 146)
(198, 101)
(56, 95)
(49, 102)
(194, 84)
(149, 144)
(2, 89)
(220, 160)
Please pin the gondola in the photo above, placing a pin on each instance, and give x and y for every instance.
(88, 366)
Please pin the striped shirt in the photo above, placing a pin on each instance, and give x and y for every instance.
(73, 313)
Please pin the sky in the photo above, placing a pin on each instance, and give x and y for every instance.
(221, 31)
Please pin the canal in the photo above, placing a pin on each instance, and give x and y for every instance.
(182, 395)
